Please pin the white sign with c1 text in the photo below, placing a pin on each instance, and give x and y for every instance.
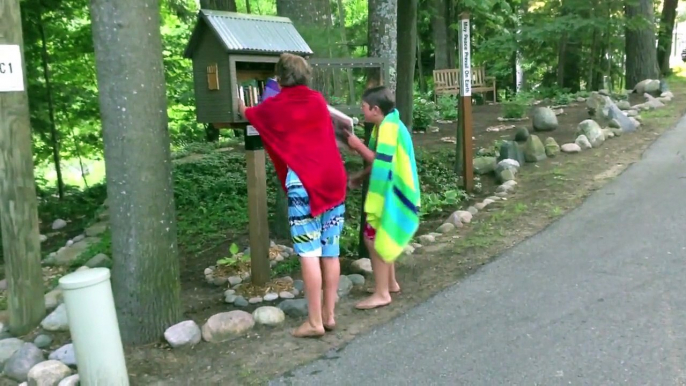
(465, 58)
(11, 69)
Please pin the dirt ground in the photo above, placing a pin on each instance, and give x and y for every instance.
(546, 191)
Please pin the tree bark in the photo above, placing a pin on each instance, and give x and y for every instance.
(219, 5)
(18, 203)
(407, 43)
(641, 60)
(664, 39)
(439, 27)
(247, 6)
(344, 41)
(133, 108)
(382, 38)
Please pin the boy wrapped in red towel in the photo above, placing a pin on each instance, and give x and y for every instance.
(297, 133)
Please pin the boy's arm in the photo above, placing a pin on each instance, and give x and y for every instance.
(357, 145)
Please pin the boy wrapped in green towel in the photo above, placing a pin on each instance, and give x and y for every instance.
(393, 199)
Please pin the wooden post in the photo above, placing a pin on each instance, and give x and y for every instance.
(18, 204)
(260, 270)
(465, 113)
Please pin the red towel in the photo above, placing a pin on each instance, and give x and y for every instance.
(297, 132)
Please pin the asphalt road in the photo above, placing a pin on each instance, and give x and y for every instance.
(598, 298)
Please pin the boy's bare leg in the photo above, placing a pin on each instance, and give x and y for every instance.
(393, 286)
(381, 296)
(331, 272)
(312, 276)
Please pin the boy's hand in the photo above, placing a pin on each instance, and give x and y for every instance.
(354, 183)
(354, 141)
(241, 107)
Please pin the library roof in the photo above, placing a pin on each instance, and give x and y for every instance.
(245, 33)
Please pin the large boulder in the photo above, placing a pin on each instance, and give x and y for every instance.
(619, 120)
(534, 150)
(592, 131)
(227, 325)
(510, 150)
(651, 86)
(544, 119)
(484, 165)
(551, 147)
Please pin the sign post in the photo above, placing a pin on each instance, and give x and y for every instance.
(260, 271)
(18, 203)
(465, 104)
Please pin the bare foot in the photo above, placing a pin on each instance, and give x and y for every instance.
(306, 330)
(393, 289)
(329, 322)
(374, 301)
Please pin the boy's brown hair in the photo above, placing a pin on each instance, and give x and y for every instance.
(292, 70)
(381, 97)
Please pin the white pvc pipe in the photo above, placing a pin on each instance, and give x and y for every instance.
(94, 328)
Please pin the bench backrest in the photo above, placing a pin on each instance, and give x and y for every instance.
(449, 79)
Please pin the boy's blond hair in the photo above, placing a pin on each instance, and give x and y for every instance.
(292, 70)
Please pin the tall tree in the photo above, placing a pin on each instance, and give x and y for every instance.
(18, 203)
(383, 38)
(664, 38)
(133, 108)
(220, 5)
(407, 58)
(641, 60)
(439, 27)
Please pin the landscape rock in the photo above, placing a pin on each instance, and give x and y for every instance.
(472, 210)
(631, 113)
(534, 151)
(464, 216)
(269, 316)
(653, 102)
(270, 297)
(506, 175)
(72, 380)
(454, 220)
(447, 227)
(506, 187)
(510, 150)
(667, 94)
(344, 286)
(551, 147)
(66, 256)
(619, 120)
(58, 224)
(583, 142)
(234, 280)
(363, 266)
(617, 132)
(484, 165)
(8, 347)
(357, 279)
(240, 301)
(294, 308)
(521, 135)
(647, 86)
(300, 285)
(43, 238)
(42, 341)
(624, 105)
(255, 300)
(608, 133)
(227, 325)
(48, 373)
(100, 260)
(182, 334)
(592, 131)
(65, 354)
(57, 320)
(230, 298)
(18, 365)
(598, 106)
(96, 229)
(544, 119)
(427, 239)
(287, 295)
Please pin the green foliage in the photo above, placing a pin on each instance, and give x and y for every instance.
(424, 113)
(517, 106)
(447, 108)
(233, 260)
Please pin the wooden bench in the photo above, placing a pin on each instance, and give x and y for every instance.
(447, 82)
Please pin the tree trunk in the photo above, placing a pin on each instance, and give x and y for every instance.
(133, 108)
(247, 6)
(407, 43)
(344, 41)
(18, 203)
(420, 69)
(439, 27)
(641, 60)
(51, 108)
(664, 39)
(382, 38)
(219, 5)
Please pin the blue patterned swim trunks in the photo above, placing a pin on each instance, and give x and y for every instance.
(312, 236)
